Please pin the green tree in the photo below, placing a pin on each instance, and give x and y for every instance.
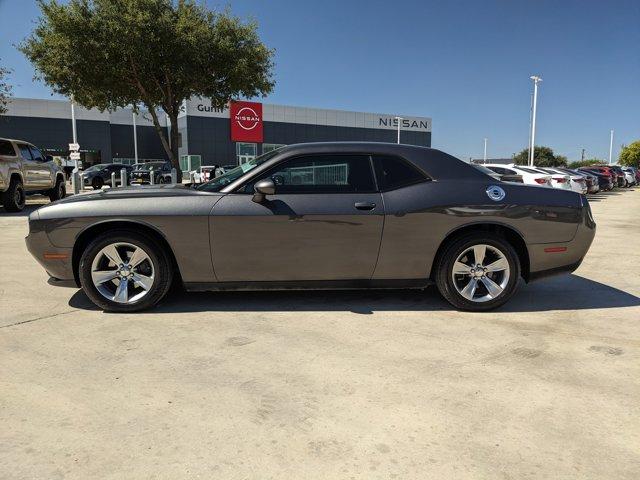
(154, 53)
(542, 157)
(5, 89)
(630, 155)
(586, 163)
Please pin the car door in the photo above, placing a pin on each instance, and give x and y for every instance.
(29, 167)
(41, 168)
(324, 222)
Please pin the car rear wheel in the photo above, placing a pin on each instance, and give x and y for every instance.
(478, 272)
(59, 191)
(14, 199)
(125, 271)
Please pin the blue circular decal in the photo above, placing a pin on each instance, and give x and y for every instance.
(495, 193)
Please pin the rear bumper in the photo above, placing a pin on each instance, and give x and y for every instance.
(549, 259)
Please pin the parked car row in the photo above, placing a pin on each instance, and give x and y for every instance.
(99, 175)
(591, 179)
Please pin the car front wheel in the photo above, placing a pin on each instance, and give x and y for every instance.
(125, 271)
(478, 272)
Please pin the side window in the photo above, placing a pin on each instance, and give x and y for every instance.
(499, 170)
(6, 148)
(24, 151)
(321, 174)
(36, 154)
(510, 172)
(394, 172)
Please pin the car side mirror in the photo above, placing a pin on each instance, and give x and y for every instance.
(262, 189)
(48, 158)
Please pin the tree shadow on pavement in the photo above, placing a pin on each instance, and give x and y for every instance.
(569, 292)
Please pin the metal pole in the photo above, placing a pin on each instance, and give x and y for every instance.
(152, 177)
(135, 138)
(535, 79)
(73, 125)
(174, 176)
(485, 151)
(123, 177)
(399, 119)
(113, 179)
(611, 147)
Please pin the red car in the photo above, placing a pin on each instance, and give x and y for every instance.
(617, 180)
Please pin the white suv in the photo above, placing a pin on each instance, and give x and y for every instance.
(25, 170)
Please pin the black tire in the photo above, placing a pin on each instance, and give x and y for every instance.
(97, 183)
(59, 191)
(444, 270)
(161, 264)
(14, 199)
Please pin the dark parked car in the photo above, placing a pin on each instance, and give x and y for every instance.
(161, 172)
(324, 215)
(99, 175)
(606, 178)
(622, 178)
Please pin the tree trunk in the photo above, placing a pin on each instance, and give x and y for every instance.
(170, 148)
(175, 143)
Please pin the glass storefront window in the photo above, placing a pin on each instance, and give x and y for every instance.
(246, 152)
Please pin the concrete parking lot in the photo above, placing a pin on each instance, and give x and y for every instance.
(310, 385)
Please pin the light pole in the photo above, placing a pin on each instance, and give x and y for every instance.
(135, 138)
(610, 147)
(484, 157)
(73, 126)
(399, 120)
(535, 79)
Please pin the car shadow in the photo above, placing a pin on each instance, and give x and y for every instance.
(570, 292)
(24, 213)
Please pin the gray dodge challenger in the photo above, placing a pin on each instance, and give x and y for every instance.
(322, 215)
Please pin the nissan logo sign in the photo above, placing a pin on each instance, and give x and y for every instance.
(247, 118)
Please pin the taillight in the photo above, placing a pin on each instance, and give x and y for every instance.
(580, 180)
(560, 179)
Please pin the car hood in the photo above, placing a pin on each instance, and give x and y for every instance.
(149, 191)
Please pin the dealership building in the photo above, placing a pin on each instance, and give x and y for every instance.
(208, 135)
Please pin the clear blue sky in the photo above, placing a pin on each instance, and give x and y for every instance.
(466, 64)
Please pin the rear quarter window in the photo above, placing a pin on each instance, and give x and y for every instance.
(6, 149)
(395, 172)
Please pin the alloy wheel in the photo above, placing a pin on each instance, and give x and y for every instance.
(122, 272)
(481, 273)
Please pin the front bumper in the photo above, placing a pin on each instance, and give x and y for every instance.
(57, 261)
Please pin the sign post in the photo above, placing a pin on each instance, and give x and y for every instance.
(74, 154)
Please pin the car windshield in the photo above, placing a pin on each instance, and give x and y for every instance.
(96, 168)
(150, 166)
(232, 175)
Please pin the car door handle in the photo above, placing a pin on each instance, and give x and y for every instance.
(365, 205)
